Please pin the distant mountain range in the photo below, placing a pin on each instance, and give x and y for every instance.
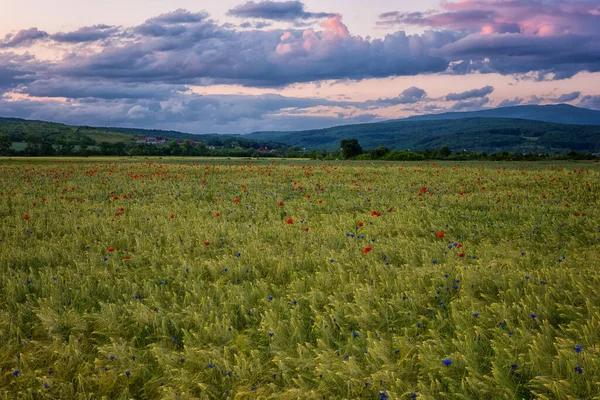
(559, 113)
(553, 128)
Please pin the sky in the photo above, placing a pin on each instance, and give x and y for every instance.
(236, 67)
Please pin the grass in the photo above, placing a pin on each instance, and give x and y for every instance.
(490, 266)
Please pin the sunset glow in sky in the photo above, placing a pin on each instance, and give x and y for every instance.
(237, 67)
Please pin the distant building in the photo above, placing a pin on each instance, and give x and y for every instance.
(152, 140)
(263, 150)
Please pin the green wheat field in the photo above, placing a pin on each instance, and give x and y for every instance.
(213, 279)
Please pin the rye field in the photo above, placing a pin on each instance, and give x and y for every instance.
(213, 279)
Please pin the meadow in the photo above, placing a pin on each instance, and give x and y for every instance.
(193, 278)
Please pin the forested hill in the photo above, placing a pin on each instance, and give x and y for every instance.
(44, 138)
(472, 134)
(558, 113)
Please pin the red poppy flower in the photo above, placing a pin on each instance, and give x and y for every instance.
(366, 250)
(172, 216)
(459, 246)
(461, 254)
(289, 221)
(121, 209)
(127, 257)
(236, 200)
(33, 204)
(217, 214)
(206, 243)
(111, 249)
(26, 216)
(423, 189)
(280, 204)
(440, 234)
(360, 223)
(306, 229)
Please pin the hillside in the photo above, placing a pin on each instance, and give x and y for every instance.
(558, 113)
(21, 130)
(472, 134)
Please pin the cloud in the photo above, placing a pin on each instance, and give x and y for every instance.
(175, 23)
(556, 57)
(470, 105)
(85, 34)
(205, 53)
(100, 89)
(510, 103)
(592, 102)
(186, 112)
(255, 25)
(470, 94)
(529, 17)
(140, 75)
(276, 11)
(408, 96)
(17, 70)
(565, 98)
(24, 37)
(556, 39)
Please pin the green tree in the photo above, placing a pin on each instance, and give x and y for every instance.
(174, 148)
(379, 152)
(445, 151)
(188, 149)
(350, 148)
(5, 144)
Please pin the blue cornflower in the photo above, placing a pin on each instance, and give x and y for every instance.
(46, 385)
(127, 372)
(578, 349)
(271, 334)
(419, 325)
(533, 316)
(111, 358)
(476, 314)
(579, 370)
(355, 334)
(434, 261)
(16, 372)
(514, 366)
(447, 362)
(526, 276)
(294, 302)
(210, 365)
(270, 297)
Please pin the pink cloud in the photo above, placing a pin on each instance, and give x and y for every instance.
(527, 17)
